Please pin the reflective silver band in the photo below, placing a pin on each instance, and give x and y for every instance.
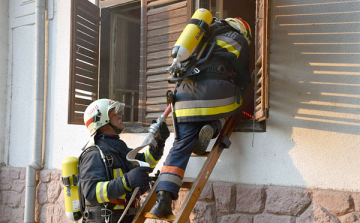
(101, 192)
(230, 41)
(171, 178)
(205, 103)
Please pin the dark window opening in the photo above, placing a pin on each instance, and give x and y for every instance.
(120, 57)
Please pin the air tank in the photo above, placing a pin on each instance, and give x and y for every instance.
(189, 38)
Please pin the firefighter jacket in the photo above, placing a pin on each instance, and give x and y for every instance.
(95, 186)
(215, 92)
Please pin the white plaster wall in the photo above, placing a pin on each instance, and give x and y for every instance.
(62, 140)
(4, 49)
(20, 97)
(313, 133)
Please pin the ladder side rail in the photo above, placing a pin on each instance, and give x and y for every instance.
(147, 205)
(205, 172)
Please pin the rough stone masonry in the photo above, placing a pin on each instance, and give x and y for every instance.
(220, 202)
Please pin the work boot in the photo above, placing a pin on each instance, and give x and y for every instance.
(162, 208)
(207, 132)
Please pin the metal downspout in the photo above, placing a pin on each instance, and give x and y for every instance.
(30, 190)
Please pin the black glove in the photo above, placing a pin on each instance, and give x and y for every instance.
(137, 177)
(164, 133)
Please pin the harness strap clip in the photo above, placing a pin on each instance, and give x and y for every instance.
(66, 180)
(195, 71)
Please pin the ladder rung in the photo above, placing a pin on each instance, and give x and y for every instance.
(205, 154)
(171, 218)
(187, 184)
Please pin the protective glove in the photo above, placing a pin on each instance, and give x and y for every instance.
(164, 133)
(137, 177)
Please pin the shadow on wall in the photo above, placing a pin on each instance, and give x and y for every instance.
(319, 42)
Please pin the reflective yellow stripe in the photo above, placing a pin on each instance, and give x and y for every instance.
(126, 186)
(101, 192)
(150, 159)
(207, 111)
(119, 207)
(119, 173)
(122, 175)
(228, 47)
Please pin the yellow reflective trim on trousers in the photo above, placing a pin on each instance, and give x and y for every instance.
(228, 47)
(150, 159)
(101, 192)
(207, 111)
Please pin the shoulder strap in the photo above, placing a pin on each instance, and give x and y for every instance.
(86, 149)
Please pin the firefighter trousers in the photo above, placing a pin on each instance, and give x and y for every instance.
(175, 164)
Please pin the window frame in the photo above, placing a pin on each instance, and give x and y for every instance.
(144, 119)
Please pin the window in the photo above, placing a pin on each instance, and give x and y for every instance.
(136, 43)
(120, 57)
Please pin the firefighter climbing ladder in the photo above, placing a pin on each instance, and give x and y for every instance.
(197, 186)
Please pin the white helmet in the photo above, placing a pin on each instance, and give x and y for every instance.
(242, 26)
(97, 113)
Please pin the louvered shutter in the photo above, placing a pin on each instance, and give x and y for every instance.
(262, 60)
(84, 58)
(163, 21)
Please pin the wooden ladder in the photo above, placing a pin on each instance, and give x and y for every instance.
(197, 186)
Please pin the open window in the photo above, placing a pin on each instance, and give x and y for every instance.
(255, 12)
(135, 47)
(111, 70)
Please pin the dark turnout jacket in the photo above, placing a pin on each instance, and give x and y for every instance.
(95, 185)
(215, 92)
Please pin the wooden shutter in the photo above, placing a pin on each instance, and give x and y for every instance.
(162, 23)
(84, 58)
(262, 60)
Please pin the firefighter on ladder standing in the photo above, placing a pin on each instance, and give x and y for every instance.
(106, 177)
(207, 95)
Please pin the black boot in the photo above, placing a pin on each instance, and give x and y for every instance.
(162, 208)
(207, 132)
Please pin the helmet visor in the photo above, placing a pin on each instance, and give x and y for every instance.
(117, 106)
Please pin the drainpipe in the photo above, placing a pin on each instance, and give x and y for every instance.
(30, 190)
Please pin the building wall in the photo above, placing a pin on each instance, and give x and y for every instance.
(20, 92)
(312, 135)
(219, 202)
(313, 130)
(4, 49)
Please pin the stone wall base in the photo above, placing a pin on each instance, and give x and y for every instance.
(219, 202)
